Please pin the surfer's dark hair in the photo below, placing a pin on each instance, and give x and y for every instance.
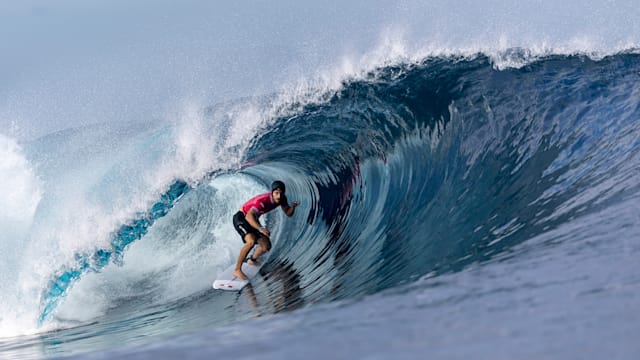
(278, 185)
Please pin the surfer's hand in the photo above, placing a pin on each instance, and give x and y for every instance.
(265, 231)
(291, 208)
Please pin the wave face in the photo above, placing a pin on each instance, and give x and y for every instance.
(411, 174)
(426, 169)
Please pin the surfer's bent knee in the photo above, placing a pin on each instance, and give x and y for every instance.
(250, 239)
(265, 243)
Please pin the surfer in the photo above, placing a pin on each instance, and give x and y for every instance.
(248, 226)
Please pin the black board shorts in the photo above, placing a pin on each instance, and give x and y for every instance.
(243, 227)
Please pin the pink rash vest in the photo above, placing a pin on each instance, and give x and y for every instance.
(263, 204)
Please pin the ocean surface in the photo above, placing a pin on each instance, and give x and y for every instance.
(454, 204)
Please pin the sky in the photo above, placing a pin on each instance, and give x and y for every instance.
(69, 63)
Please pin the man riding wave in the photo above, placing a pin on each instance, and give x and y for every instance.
(247, 224)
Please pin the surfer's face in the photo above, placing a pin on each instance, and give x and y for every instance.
(276, 195)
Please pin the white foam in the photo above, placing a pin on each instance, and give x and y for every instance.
(98, 181)
(21, 196)
(174, 260)
(202, 142)
(21, 189)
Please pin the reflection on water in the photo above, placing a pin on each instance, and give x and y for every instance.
(279, 291)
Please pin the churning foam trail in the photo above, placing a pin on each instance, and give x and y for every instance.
(178, 257)
(21, 189)
(100, 180)
(21, 196)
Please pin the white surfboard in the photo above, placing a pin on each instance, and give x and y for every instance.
(226, 280)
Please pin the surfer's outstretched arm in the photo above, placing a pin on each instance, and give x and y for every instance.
(289, 210)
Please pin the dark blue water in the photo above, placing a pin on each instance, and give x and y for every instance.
(449, 210)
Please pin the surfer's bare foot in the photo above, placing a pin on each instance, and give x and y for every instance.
(252, 262)
(239, 274)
